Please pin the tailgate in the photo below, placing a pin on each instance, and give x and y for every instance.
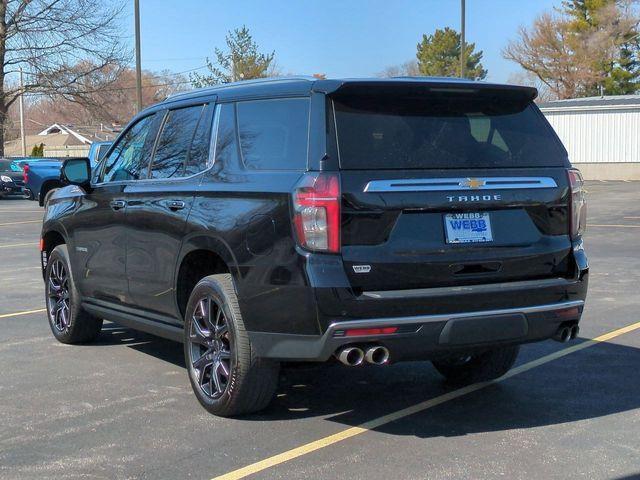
(430, 229)
(449, 185)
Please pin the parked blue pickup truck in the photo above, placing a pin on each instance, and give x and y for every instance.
(43, 176)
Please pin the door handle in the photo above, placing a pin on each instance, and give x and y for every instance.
(176, 205)
(117, 204)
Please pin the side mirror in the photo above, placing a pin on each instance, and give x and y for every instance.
(76, 171)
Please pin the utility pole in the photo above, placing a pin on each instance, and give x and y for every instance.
(21, 102)
(463, 59)
(136, 6)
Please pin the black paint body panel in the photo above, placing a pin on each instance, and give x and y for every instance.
(127, 261)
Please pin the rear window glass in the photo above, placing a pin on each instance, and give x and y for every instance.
(454, 130)
(274, 133)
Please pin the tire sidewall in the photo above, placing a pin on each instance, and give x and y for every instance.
(209, 287)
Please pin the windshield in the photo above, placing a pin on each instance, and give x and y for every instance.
(448, 130)
(9, 166)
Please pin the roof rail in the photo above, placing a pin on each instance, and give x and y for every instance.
(253, 81)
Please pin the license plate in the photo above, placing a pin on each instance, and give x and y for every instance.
(468, 227)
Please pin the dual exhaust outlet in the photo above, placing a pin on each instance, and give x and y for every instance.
(566, 333)
(353, 356)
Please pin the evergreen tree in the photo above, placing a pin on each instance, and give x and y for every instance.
(241, 61)
(439, 55)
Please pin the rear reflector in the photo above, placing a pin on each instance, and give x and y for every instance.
(568, 314)
(42, 244)
(360, 332)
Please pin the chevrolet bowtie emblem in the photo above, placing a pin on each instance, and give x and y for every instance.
(472, 183)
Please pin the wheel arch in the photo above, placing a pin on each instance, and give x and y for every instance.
(201, 256)
(50, 240)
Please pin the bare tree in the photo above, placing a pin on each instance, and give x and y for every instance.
(575, 59)
(407, 69)
(59, 44)
(531, 80)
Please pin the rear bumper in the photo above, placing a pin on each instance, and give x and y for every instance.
(9, 189)
(433, 322)
(426, 337)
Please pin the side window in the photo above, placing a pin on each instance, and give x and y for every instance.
(102, 150)
(226, 140)
(274, 133)
(174, 142)
(199, 150)
(129, 160)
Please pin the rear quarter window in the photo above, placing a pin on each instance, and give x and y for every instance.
(274, 133)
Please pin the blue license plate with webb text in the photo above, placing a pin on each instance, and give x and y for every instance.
(470, 227)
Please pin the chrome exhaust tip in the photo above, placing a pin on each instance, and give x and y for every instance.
(575, 330)
(377, 355)
(563, 335)
(351, 356)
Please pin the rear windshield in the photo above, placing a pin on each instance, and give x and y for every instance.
(448, 130)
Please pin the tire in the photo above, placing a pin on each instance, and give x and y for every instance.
(68, 321)
(226, 376)
(480, 367)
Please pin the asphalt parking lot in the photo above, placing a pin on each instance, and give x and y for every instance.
(123, 408)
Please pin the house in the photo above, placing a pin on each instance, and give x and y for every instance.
(59, 141)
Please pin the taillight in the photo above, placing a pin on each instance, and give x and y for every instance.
(25, 173)
(316, 205)
(578, 205)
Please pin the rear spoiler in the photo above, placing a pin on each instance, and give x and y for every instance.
(421, 86)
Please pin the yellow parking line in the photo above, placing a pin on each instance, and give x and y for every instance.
(19, 245)
(419, 407)
(13, 210)
(26, 312)
(20, 223)
(615, 226)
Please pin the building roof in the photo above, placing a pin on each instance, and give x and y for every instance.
(57, 128)
(609, 101)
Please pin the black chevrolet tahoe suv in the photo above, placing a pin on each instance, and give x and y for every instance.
(302, 220)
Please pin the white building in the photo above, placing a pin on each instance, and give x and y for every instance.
(602, 134)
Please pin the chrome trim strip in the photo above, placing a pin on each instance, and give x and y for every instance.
(457, 184)
(466, 289)
(372, 322)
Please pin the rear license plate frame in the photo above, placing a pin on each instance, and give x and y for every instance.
(473, 227)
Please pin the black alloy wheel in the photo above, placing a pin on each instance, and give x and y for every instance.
(58, 297)
(210, 348)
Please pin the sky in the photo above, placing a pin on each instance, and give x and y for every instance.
(341, 38)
